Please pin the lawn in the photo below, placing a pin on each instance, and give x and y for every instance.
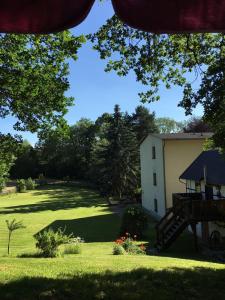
(96, 273)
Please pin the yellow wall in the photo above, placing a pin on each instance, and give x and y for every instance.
(178, 154)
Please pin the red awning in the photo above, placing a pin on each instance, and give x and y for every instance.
(160, 16)
(166, 16)
(42, 16)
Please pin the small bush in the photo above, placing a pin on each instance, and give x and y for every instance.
(74, 246)
(136, 249)
(21, 186)
(30, 184)
(48, 241)
(118, 250)
(134, 221)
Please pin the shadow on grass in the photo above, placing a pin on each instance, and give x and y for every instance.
(103, 228)
(183, 247)
(58, 198)
(144, 284)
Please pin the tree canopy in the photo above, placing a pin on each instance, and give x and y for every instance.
(170, 60)
(33, 75)
(169, 125)
(33, 82)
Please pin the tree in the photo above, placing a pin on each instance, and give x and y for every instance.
(82, 136)
(67, 151)
(8, 150)
(143, 122)
(33, 74)
(175, 59)
(26, 164)
(168, 125)
(33, 77)
(197, 125)
(13, 226)
(119, 169)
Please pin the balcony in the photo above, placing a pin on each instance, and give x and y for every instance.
(192, 207)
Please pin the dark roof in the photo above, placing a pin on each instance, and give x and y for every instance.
(183, 136)
(214, 164)
(180, 136)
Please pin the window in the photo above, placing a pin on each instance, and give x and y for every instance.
(154, 179)
(153, 153)
(197, 187)
(155, 205)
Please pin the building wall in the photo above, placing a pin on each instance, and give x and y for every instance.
(148, 167)
(179, 154)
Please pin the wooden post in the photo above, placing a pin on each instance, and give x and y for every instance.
(193, 227)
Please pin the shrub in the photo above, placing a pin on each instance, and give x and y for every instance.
(2, 183)
(48, 241)
(118, 250)
(74, 246)
(136, 249)
(134, 221)
(128, 245)
(30, 184)
(21, 185)
(42, 180)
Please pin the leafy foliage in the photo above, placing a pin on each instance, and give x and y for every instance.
(74, 246)
(30, 184)
(134, 221)
(118, 250)
(48, 241)
(168, 125)
(143, 122)
(26, 163)
(127, 244)
(170, 60)
(104, 152)
(8, 150)
(196, 124)
(21, 185)
(33, 74)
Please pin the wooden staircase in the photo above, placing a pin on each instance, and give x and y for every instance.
(188, 209)
(169, 228)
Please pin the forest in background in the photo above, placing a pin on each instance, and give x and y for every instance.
(104, 152)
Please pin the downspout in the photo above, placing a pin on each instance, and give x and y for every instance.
(164, 175)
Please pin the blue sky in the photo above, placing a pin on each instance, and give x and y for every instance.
(96, 92)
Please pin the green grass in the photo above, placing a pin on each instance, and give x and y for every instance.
(96, 273)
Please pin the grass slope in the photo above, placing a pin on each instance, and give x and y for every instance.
(96, 273)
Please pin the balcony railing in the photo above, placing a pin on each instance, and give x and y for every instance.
(194, 208)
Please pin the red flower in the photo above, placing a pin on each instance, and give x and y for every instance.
(119, 241)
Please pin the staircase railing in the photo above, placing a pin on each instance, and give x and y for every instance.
(188, 210)
(166, 222)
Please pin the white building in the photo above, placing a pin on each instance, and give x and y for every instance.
(163, 158)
